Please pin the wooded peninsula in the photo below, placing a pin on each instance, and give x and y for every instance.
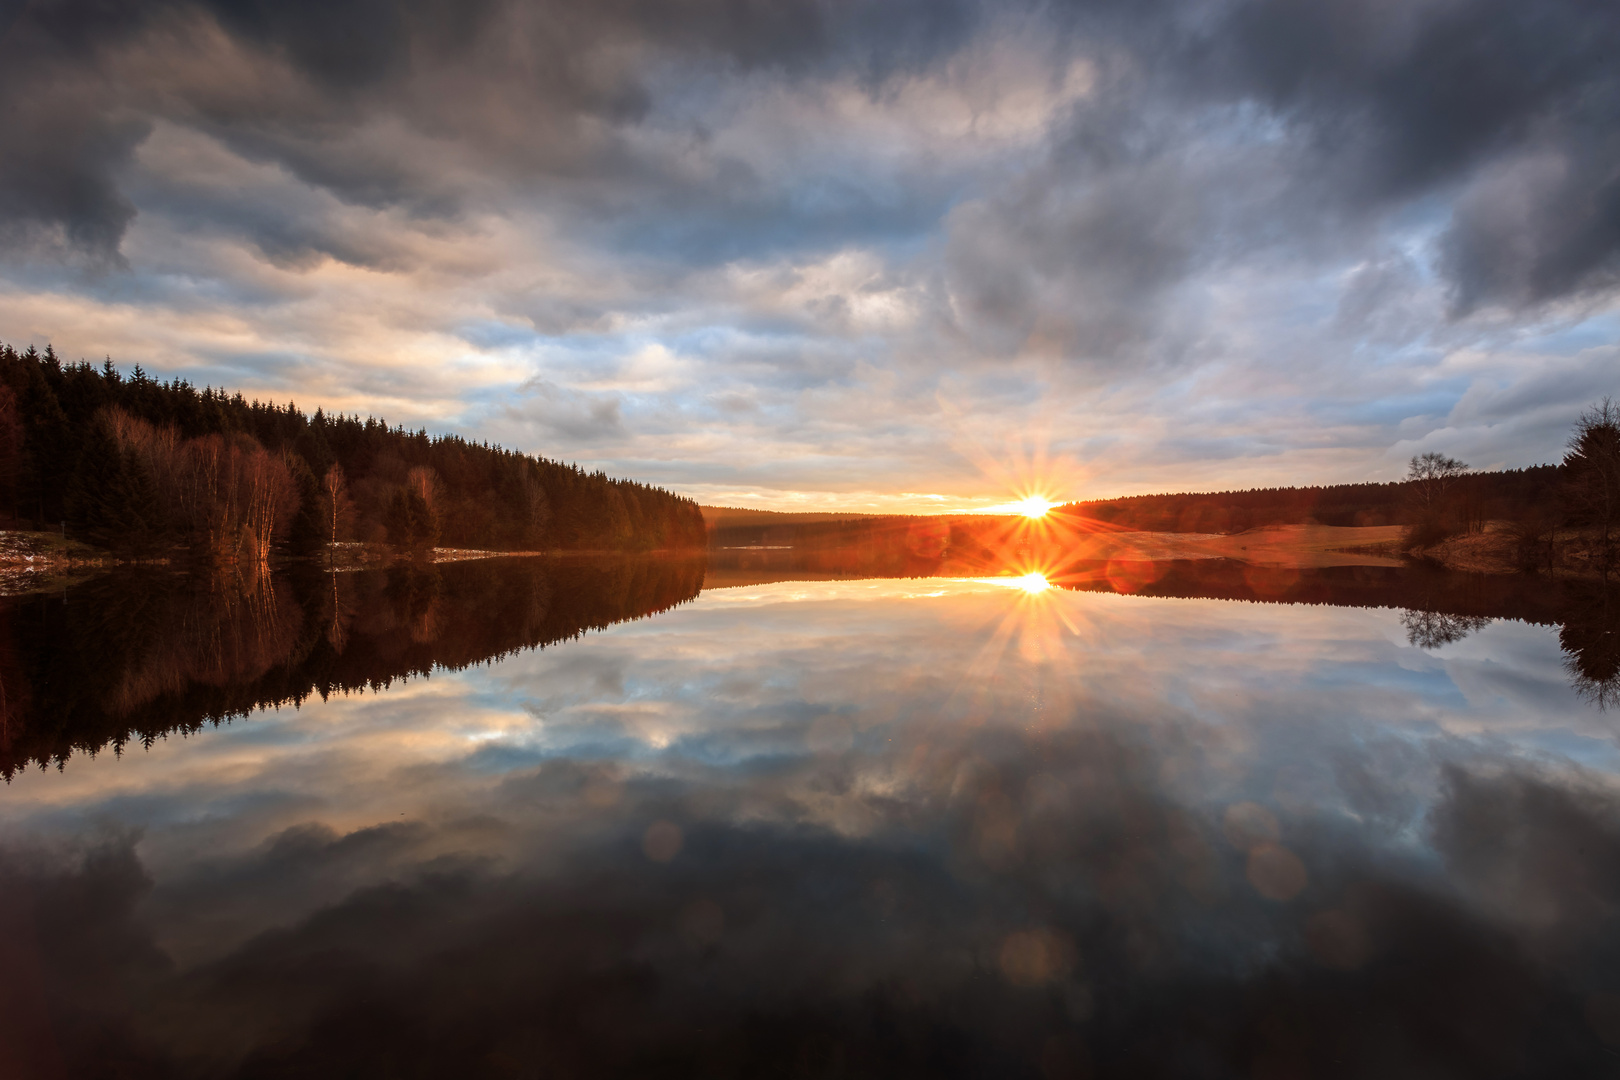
(142, 467)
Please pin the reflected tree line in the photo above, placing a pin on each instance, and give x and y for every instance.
(1438, 607)
(134, 656)
(1589, 635)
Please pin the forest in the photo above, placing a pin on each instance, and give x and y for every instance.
(1554, 517)
(144, 467)
(1473, 499)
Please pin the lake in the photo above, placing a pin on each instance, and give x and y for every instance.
(777, 814)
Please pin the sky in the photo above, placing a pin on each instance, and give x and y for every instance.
(902, 255)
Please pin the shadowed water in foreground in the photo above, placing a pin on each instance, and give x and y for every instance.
(968, 825)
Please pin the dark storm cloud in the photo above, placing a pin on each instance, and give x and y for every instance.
(1376, 105)
(1399, 99)
(63, 137)
(516, 87)
(1217, 132)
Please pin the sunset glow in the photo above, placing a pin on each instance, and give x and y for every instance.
(1034, 583)
(1030, 506)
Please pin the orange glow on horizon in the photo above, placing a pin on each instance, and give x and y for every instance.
(1034, 506)
(1034, 582)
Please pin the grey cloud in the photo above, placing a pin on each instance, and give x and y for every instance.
(1538, 228)
(1073, 269)
(1402, 99)
(551, 411)
(1384, 301)
(511, 87)
(58, 187)
(1283, 139)
(1331, 118)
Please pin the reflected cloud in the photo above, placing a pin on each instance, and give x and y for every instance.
(1064, 825)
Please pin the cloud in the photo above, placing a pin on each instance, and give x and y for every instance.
(1159, 213)
(1159, 827)
(1054, 895)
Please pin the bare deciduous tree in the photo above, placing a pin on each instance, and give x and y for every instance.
(268, 497)
(1432, 474)
(338, 504)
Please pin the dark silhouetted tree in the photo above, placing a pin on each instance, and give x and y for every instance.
(412, 525)
(1432, 476)
(308, 532)
(111, 495)
(1592, 475)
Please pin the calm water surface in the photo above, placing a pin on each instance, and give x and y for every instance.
(930, 826)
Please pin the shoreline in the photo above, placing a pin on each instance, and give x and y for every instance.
(39, 561)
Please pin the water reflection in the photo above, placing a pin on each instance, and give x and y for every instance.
(1590, 636)
(1432, 629)
(957, 826)
(136, 655)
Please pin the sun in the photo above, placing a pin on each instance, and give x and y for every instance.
(1034, 506)
(1033, 583)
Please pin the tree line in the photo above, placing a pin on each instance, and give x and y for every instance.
(1564, 515)
(143, 466)
(1474, 498)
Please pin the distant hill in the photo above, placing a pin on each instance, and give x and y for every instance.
(724, 517)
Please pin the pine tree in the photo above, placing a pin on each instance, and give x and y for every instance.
(1592, 475)
(111, 496)
(307, 534)
(412, 524)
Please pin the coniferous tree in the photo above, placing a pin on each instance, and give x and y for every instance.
(206, 454)
(1592, 475)
(112, 497)
(412, 525)
(307, 534)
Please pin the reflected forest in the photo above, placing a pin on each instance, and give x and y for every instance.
(133, 656)
(130, 657)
